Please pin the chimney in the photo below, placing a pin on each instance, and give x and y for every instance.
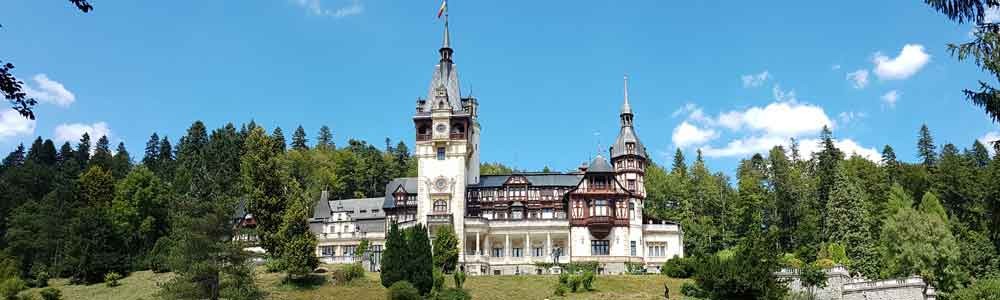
(583, 167)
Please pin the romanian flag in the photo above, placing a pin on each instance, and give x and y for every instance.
(444, 7)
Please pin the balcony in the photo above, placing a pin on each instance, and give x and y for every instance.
(457, 136)
(439, 219)
(599, 221)
(423, 137)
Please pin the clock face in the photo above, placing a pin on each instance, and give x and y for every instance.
(441, 128)
(440, 184)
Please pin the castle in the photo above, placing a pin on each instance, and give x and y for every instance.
(505, 224)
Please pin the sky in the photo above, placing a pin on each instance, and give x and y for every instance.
(732, 78)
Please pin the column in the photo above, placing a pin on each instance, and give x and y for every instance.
(489, 245)
(527, 244)
(477, 244)
(548, 244)
(506, 247)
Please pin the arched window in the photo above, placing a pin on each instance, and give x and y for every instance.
(440, 206)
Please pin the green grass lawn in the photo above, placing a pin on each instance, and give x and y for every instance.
(143, 285)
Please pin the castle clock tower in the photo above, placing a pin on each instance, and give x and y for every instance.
(447, 147)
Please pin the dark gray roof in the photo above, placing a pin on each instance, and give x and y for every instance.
(600, 165)
(627, 135)
(321, 209)
(359, 208)
(540, 179)
(409, 184)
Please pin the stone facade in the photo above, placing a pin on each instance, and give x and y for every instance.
(841, 286)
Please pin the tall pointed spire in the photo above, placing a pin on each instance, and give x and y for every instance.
(446, 50)
(447, 35)
(626, 108)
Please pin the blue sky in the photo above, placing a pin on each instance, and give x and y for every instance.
(730, 77)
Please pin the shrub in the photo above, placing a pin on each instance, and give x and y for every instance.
(111, 279)
(403, 290)
(563, 278)
(11, 286)
(825, 263)
(987, 288)
(635, 268)
(51, 294)
(560, 290)
(438, 280)
(587, 280)
(348, 273)
(274, 265)
(692, 290)
(452, 294)
(40, 278)
(789, 260)
(459, 279)
(679, 267)
(575, 267)
(574, 283)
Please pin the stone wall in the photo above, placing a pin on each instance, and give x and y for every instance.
(841, 286)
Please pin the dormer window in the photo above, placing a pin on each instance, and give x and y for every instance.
(630, 148)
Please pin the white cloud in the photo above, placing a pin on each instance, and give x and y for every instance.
(784, 119)
(687, 134)
(745, 146)
(991, 15)
(73, 132)
(850, 116)
(850, 147)
(755, 80)
(49, 91)
(316, 7)
(13, 124)
(858, 78)
(988, 139)
(890, 98)
(910, 60)
(782, 95)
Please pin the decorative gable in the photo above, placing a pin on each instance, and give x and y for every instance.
(516, 179)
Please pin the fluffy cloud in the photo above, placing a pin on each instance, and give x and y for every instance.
(910, 60)
(13, 124)
(744, 146)
(783, 119)
(49, 91)
(315, 7)
(687, 134)
(858, 78)
(890, 98)
(72, 132)
(810, 146)
(755, 80)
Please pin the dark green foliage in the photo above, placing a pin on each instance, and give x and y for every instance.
(680, 267)
(348, 273)
(459, 277)
(139, 211)
(93, 248)
(812, 276)
(403, 290)
(746, 273)
(111, 279)
(420, 265)
(679, 167)
(50, 294)
(438, 280)
(988, 288)
(692, 290)
(494, 169)
(452, 294)
(446, 249)
(299, 140)
(102, 154)
(267, 187)
(393, 259)
(925, 147)
(324, 140)
(83, 150)
(587, 280)
(297, 243)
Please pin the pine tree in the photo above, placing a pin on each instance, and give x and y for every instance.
(165, 163)
(299, 140)
(393, 257)
(890, 163)
(83, 150)
(921, 243)
(102, 153)
(34, 152)
(65, 153)
(847, 223)
(121, 162)
(15, 158)
(324, 140)
(785, 196)
(268, 187)
(680, 167)
(828, 158)
(152, 154)
(48, 155)
(980, 155)
(298, 244)
(445, 249)
(925, 147)
(955, 181)
(420, 266)
(278, 137)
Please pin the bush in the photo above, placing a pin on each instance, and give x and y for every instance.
(575, 267)
(635, 268)
(274, 265)
(587, 280)
(564, 278)
(111, 279)
(789, 260)
(403, 290)
(40, 278)
(11, 286)
(438, 280)
(51, 294)
(679, 267)
(452, 294)
(574, 283)
(692, 290)
(348, 273)
(560, 290)
(825, 263)
(459, 279)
